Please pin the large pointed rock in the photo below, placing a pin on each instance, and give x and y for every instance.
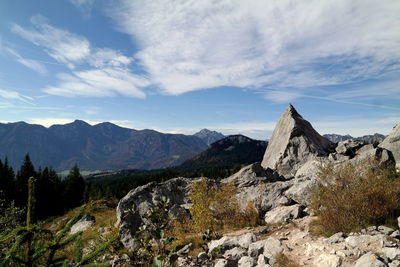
(392, 143)
(293, 143)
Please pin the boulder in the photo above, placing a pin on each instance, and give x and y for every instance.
(369, 260)
(391, 253)
(256, 248)
(262, 261)
(83, 224)
(272, 248)
(132, 208)
(228, 242)
(246, 261)
(294, 142)
(234, 254)
(221, 263)
(349, 147)
(250, 175)
(383, 156)
(328, 260)
(283, 214)
(392, 143)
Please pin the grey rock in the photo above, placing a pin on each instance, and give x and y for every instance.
(283, 214)
(235, 253)
(327, 260)
(395, 234)
(294, 142)
(381, 155)
(221, 263)
(398, 221)
(132, 208)
(272, 248)
(391, 253)
(83, 224)
(362, 241)
(246, 261)
(262, 261)
(392, 143)
(250, 175)
(256, 248)
(395, 263)
(385, 230)
(336, 238)
(227, 242)
(349, 147)
(369, 260)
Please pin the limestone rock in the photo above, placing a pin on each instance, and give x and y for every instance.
(294, 142)
(391, 253)
(381, 155)
(256, 248)
(392, 143)
(246, 261)
(349, 147)
(221, 263)
(227, 242)
(272, 248)
(327, 260)
(252, 174)
(83, 224)
(283, 214)
(369, 260)
(137, 202)
(234, 254)
(262, 261)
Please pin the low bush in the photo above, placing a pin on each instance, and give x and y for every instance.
(354, 195)
(216, 208)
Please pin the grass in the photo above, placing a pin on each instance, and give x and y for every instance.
(283, 261)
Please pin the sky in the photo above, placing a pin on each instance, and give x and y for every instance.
(182, 65)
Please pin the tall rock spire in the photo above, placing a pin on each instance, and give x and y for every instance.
(293, 142)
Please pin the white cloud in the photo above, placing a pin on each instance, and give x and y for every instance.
(13, 95)
(32, 64)
(190, 45)
(95, 72)
(102, 82)
(47, 122)
(60, 44)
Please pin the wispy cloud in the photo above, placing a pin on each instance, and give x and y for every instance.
(60, 44)
(94, 72)
(13, 95)
(85, 6)
(99, 83)
(49, 121)
(192, 45)
(30, 63)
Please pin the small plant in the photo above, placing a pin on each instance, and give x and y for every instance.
(216, 208)
(154, 245)
(354, 195)
(35, 246)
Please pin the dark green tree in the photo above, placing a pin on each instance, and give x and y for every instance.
(27, 170)
(74, 188)
(7, 180)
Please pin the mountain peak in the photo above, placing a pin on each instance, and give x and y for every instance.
(208, 136)
(293, 142)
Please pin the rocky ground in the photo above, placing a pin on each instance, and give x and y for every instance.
(293, 242)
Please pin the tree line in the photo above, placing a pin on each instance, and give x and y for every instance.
(54, 195)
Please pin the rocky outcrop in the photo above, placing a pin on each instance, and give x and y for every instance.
(83, 224)
(132, 208)
(293, 143)
(392, 143)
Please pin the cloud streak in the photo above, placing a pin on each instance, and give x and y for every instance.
(94, 72)
(192, 45)
(30, 63)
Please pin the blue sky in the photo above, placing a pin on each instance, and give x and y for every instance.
(179, 66)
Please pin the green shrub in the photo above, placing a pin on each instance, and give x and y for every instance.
(354, 195)
(216, 208)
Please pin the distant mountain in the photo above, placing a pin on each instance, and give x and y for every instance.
(104, 146)
(208, 136)
(228, 152)
(375, 138)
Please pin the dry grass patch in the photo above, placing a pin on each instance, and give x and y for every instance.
(353, 196)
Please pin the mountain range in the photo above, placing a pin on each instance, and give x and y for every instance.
(102, 147)
(375, 138)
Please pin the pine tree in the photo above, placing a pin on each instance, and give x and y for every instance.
(7, 180)
(74, 188)
(27, 170)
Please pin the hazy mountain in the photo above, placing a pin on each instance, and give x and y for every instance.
(104, 146)
(228, 152)
(208, 136)
(375, 138)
